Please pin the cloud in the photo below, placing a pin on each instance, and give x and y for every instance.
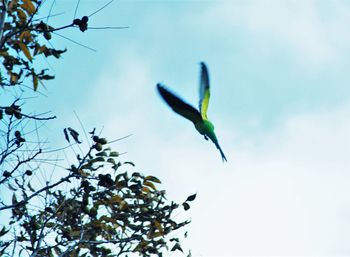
(314, 33)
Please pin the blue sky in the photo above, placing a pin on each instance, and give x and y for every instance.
(280, 102)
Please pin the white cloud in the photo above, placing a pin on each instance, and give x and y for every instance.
(301, 28)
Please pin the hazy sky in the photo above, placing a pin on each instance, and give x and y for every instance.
(280, 102)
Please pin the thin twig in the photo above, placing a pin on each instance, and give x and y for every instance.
(75, 42)
(76, 9)
(101, 8)
(96, 28)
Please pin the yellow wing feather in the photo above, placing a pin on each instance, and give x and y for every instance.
(204, 91)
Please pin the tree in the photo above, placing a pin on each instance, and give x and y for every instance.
(98, 205)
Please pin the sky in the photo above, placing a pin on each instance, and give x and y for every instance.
(280, 103)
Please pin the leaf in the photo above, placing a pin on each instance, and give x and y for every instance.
(42, 49)
(57, 251)
(113, 154)
(153, 179)
(25, 35)
(159, 227)
(104, 154)
(186, 206)
(191, 198)
(97, 159)
(13, 78)
(155, 234)
(74, 233)
(11, 187)
(150, 184)
(66, 135)
(74, 134)
(30, 187)
(25, 50)
(176, 247)
(145, 189)
(28, 6)
(130, 163)
(35, 82)
(82, 173)
(14, 199)
(3, 231)
(21, 15)
(116, 199)
(123, 205)
(141, 246)
(111, 160)
(50, 224)
(107, 219)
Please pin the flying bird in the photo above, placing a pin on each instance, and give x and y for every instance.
(198, 117)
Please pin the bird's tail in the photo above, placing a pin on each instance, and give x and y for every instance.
(213, 138)
(221, 152)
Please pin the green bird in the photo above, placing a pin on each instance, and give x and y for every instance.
(199, 118)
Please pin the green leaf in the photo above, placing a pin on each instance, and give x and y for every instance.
(186, 206)
(3, 231)
(176, 247)
(191, 198)
(113, 154)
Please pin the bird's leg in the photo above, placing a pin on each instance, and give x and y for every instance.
(205, 137)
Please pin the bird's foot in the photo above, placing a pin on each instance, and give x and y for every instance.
(205, 137)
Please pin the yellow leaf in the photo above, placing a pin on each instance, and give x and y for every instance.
(35, 82)
(74, 233)
(4, 53)
(13, 78)
(153, 179)
(155, 234)
(96, 223)
(25, 50)
(142, 245)
(25, 35)
(83, 174)
(42, 49)
(22, 16)
(28, 6)
(145, 189)
(115, 199)
(123, 205)
(107, 219)
(159, 227)
(149, 184)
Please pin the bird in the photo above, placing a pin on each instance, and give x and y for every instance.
(198, 117)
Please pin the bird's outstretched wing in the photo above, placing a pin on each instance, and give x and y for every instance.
(204, 91)
(178, 105)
